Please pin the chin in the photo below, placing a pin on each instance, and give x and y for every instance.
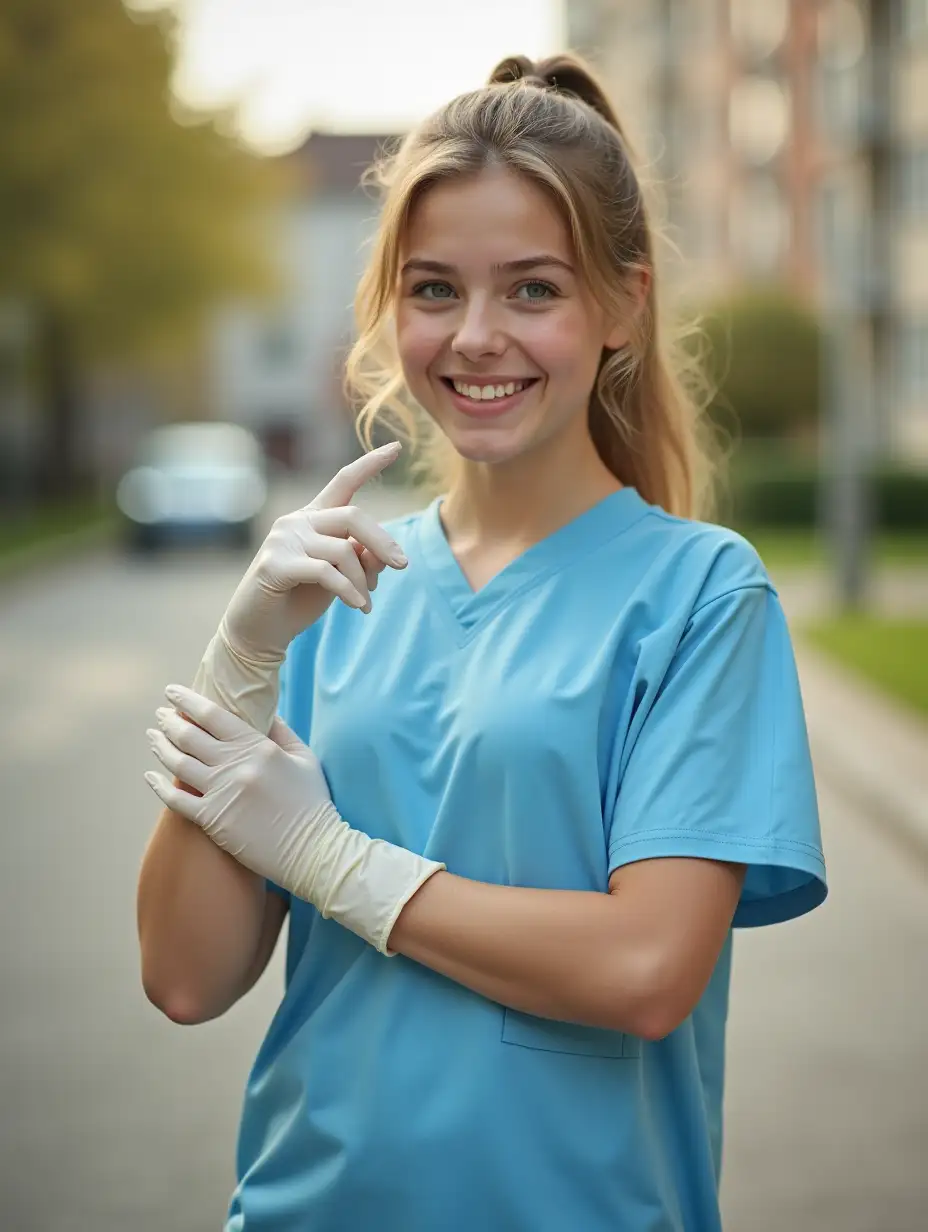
(488, 447)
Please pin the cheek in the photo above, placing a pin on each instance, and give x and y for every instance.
(562, 346)
(418, 341)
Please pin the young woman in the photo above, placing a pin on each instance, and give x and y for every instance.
(551, 766)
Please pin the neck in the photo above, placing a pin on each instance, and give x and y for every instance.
(529, 497)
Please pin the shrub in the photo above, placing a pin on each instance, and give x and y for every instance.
(792, 493)
(763, 355)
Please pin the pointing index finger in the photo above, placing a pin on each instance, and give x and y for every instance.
(340, 490)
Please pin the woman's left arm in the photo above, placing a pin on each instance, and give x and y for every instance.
(636, 959)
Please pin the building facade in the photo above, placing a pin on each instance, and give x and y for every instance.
(910, 232)
(792, 137)
(277, 368)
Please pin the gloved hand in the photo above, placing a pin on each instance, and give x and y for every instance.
(265, 801)
(328, 548)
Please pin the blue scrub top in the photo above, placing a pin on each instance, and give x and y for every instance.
(624, 690)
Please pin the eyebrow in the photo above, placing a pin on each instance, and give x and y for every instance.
(508, 267)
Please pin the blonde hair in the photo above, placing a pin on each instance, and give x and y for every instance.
(553, 124)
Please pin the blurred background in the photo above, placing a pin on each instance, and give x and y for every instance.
(181, 231)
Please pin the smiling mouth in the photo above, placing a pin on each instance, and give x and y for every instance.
(488, 392)
(490, 400)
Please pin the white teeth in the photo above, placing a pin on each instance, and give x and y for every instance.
(486, 393)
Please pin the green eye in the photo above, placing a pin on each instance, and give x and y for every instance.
(445, 291)
(533, 288)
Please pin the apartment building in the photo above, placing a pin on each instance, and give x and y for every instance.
(910, 229)
(277, 367)
(792, 136)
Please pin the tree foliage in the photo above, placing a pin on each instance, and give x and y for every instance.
(120, 221)
(763, 355)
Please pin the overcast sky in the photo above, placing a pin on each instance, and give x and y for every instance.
(347, 64)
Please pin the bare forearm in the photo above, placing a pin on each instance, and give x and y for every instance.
(200, 916)
(559, 954)
(636, 959)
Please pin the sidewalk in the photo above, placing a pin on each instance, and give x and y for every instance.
(865, 744)
(894, 590)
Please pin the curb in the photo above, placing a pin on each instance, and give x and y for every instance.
(21, 561)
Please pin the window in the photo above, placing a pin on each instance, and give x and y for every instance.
(912, 359)
(277, 346)
(911, 181)
(843, 236)
(842, 42)
(697, 24)
(706, 236)
(759, 26)
(914, 18)
(840, 103)
(842, 34)
(759, 118)
(759, 226)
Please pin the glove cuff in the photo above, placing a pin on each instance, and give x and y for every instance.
(362, 882)
(246, 688)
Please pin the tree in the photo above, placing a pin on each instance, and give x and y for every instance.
(763, 354)
(120, 221)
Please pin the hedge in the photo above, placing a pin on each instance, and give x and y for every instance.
(792, 496)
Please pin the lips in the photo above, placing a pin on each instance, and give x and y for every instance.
(494, 397)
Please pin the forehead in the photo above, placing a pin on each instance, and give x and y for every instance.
(485, 219)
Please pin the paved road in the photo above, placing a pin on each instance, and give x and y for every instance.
(113, 1118)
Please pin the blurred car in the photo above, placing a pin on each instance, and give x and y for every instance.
(194, 482)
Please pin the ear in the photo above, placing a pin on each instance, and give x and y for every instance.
(620, 333)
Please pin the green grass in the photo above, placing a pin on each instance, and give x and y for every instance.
(49, 522)
(891, 653)
(802, 549)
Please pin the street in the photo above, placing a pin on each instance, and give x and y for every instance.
(114, 1118)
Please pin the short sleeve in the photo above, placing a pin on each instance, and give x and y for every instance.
(717, 763)
(295, 695)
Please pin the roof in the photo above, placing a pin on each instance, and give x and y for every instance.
(335, 162)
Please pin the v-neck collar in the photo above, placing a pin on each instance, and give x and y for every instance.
(468, 608)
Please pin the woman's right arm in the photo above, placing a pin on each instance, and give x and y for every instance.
(207, 925)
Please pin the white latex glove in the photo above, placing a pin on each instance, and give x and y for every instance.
(328, 548)
(266, 802)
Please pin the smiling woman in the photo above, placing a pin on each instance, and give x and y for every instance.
(528, 790)
(484, 331)
(579, 286)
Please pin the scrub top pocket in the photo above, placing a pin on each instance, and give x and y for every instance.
(547, 1035)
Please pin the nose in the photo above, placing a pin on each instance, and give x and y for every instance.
(478, 333)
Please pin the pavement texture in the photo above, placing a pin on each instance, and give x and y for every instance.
(876, 749)
(115, 1119)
